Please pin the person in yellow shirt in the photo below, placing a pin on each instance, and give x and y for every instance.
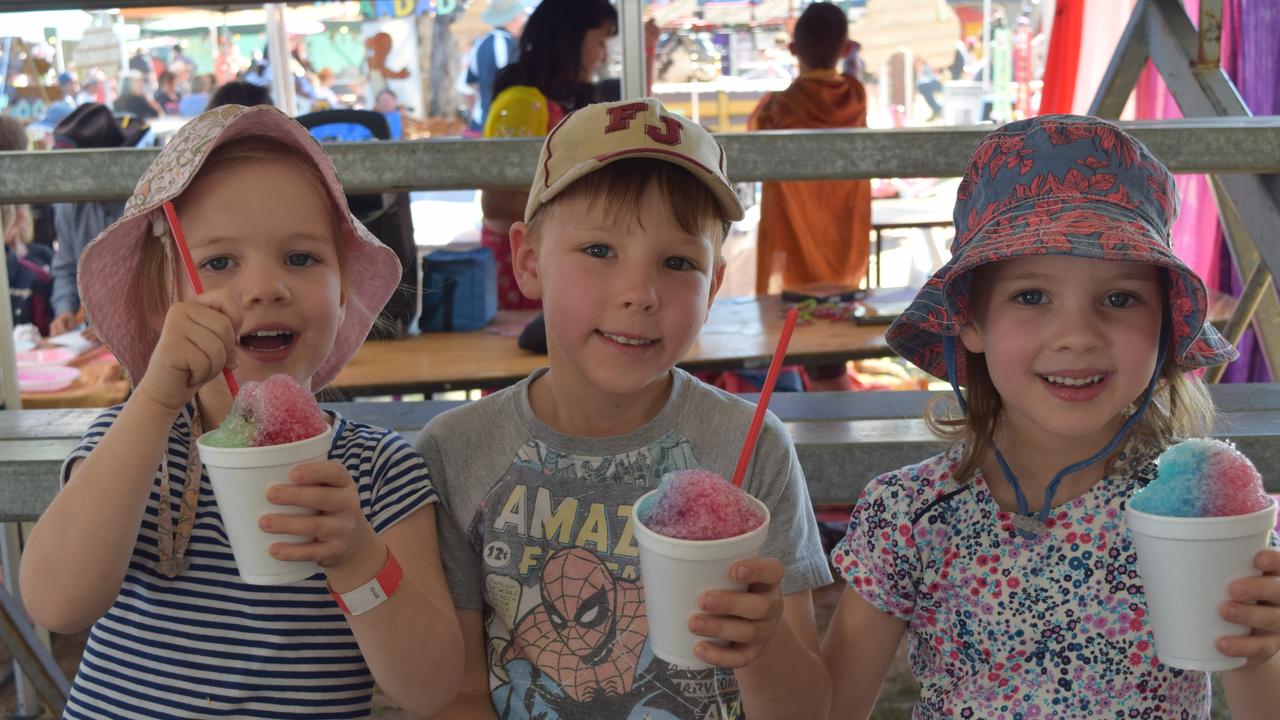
(562, 44)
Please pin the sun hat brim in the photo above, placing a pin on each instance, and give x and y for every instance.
(1090, 230)
(109, 269)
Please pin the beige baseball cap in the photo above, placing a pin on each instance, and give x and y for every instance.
(596, 135)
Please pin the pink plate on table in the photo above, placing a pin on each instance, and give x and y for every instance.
(46, 378)
(44, 357)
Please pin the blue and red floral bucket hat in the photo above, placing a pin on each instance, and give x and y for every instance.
(1059, 185)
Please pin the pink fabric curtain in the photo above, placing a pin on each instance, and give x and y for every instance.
(1196, 232)
(1251, 57)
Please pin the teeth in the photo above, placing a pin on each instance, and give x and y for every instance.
(1073, 382)
(270, 333)
(625, 340)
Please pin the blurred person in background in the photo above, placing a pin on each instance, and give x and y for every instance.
(490, 53)
(325, 97)
(134, 99)
(77, 224)
(929, 85)
(91, 90)
(194, 102)
(562, 44)
(61, 107)
(239, 92)
(30, 285)
(167, 96)
(387, 101)
(815, 232)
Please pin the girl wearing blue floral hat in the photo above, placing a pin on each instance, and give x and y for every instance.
(1005, 559)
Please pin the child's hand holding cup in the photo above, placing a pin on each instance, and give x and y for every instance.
(690, 532)
(1197, 528)
(274, 427)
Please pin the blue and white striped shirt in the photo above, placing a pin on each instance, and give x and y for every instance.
(205, 644)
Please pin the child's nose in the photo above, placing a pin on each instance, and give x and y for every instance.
(1078, 330)
(639, 291)
(264, 288)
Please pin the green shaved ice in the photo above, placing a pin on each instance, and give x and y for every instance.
(234, 433)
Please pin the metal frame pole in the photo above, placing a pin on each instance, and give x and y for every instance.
(631, 30)
(282, 90)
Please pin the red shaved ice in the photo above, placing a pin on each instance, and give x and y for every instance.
(700, 505)
(274, 411)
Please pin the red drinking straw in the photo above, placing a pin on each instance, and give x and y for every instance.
(180, 240)
(766, 392)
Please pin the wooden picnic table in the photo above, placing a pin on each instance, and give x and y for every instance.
(740, 333)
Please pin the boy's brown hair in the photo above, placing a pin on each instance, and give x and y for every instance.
(820, 36)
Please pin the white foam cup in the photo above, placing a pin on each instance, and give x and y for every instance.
(240, 478)
(676, 572)
(1186, 564)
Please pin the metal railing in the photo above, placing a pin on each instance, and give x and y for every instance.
(1249, 145)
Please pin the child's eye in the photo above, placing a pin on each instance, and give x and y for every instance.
(1121, 299)
(598, 251)
(301, 259)
(1029, 297)
(679, 263)
(217, 263)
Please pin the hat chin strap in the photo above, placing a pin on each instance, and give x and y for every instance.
(1029, 524)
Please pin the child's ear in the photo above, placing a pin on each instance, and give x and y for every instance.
(524, 261)
(971, 337)
(791, 48)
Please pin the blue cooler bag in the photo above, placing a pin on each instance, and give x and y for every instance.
(459, 290)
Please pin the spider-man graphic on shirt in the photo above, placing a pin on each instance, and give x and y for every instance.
(565, 615)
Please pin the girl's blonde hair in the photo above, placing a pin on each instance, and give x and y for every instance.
(1180, 408)
(158, 266)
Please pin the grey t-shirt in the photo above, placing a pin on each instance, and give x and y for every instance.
(535, 529)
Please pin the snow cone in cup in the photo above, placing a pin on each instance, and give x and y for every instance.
(274, 425)
(1196, 528)
(691, 530)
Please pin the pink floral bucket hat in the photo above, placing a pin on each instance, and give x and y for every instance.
(1059, 185)
(110, 265)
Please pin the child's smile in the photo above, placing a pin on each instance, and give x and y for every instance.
(1069, 342)
(1075, 385)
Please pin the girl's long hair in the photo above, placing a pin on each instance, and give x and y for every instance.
(550, 51)
(1180, 408)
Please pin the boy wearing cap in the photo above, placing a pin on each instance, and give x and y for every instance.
(621, 242)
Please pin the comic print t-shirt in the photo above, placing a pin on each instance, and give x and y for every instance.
(536, 530)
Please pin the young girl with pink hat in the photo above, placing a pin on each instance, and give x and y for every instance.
(1005, 560)
(134, 544)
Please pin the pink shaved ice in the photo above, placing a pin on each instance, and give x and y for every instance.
(274, 411)
(1203, 478)
(700, 505)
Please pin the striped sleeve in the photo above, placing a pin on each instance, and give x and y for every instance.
(397, 479)
(88, 442)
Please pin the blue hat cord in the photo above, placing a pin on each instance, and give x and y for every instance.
(1025, 527)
